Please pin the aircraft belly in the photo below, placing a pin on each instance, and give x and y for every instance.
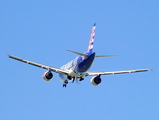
(63, 77)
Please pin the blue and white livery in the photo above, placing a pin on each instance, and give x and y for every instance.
(78, 68)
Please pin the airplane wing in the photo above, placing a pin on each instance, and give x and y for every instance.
(39, 65)
(116, 72)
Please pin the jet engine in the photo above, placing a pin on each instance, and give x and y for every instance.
(47, 76)
(96, 80)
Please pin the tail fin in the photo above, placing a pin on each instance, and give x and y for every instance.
(90, 47)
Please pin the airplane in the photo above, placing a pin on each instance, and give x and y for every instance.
(78, 68)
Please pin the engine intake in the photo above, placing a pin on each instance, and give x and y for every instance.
(96, 80)
(47, 76)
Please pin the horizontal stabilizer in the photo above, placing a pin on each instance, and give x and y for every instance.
(87, 55)
(106, 56)
(77, 53)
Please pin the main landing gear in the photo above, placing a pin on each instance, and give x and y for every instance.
(73, 79)
(81, 79)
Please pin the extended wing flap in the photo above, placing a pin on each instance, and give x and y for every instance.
(116, 72)
(39, 65)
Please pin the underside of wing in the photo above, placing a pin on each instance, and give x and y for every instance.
(39, 65)
(116, 72)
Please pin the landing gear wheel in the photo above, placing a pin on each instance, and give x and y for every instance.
(81, 79)
(64, 85)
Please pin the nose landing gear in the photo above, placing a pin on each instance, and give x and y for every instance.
(65, 83)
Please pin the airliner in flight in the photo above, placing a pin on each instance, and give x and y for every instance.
(78, 68)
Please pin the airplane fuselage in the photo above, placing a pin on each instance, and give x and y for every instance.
(77, 66)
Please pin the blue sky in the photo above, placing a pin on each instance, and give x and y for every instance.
(41, 31)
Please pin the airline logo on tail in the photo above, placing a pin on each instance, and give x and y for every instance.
(90, 47)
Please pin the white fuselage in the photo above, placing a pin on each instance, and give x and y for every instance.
(77, 67)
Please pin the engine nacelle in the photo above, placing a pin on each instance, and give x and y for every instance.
(96, 80)
(47, 76)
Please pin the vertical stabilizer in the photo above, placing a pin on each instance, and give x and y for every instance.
(90, 47)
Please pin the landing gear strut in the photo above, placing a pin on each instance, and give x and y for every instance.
(73, 80)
